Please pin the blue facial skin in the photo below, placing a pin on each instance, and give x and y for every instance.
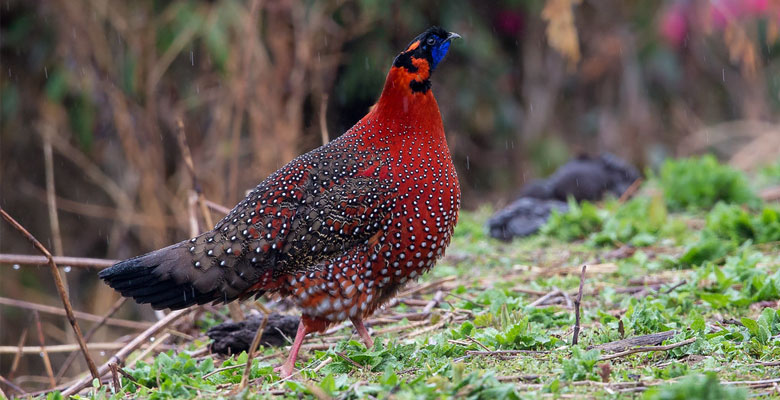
(439, 51)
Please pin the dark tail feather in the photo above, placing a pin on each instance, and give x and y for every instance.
(165, 279)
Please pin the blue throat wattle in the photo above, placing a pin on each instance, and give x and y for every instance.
(439, 52)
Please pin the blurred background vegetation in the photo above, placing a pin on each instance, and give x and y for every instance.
(94, 89)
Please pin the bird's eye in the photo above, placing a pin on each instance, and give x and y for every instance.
(431, 41)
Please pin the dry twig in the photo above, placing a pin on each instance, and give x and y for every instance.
(251, 353)
(647, 349)
(79, 314)
(61, 348)
(89, 334)
(157, 343)
(477, 342)
(630, 191)
(217, 207)
(119, 357)
(44, 353)
(429, 285)
(18, 355)
(505, 352)
(577, 302)
(11, 385)
(543, 299)
(78, 262)
(60, 288)
(643, 340)
(754, 384)
(349, 360)
(115, 377)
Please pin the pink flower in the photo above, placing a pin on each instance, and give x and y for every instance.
(673, 24)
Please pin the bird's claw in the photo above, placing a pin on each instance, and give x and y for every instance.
(284, 370)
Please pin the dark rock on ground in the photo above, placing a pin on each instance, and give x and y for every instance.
(584, 178)
(523, 217)
(235, 337)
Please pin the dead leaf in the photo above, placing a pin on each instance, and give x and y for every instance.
(741, 49)
(561, 31)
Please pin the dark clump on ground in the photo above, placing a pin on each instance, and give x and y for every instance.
(235, 337)
(584, 178)
(523, 217)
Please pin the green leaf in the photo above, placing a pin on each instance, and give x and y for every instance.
(699, 183)
(466, 328)
(698, 324)
(751, 326)
(328, 384)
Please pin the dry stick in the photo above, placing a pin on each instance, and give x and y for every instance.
(228, 368)
(426, 286)
(157, 343)
(51, 202)
(88, 335)
(437, 298)
(217, 207)
(125, 351)
(77, 262)
(322, 364)
(766, 364)
(630, 190)
(529, 291)
(577, 302)
(18, 355)
(128, 376)
(251, 353)
(652, 339)
(79, 314)
(11, 385)
(51, 199)
(44, 353)
(128, 217)
(62, 348)
(548, 296)
(115, 377)
(567, 298)
(513, 378)
(505, 352)
(349, 360)
(93, 172)
(675, 286)
(324, 119)
(477, 342)
(647, 349)
(192, 203)
(60, 289)
(762, 382)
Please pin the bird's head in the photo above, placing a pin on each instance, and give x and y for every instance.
(423, 55)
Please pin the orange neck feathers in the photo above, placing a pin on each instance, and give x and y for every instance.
(410, 107)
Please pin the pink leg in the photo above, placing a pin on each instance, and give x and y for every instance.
(288, 367)
(363, 332)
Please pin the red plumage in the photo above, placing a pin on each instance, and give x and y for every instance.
(340, 229)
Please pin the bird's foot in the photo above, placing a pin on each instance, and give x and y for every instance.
(285, 370)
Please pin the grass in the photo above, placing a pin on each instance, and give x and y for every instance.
(711, 273)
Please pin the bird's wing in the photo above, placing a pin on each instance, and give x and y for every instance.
(316, 207)
(319, 205)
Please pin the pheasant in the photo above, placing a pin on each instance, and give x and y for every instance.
(339, 229)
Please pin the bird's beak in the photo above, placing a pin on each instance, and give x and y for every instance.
(453, 35)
